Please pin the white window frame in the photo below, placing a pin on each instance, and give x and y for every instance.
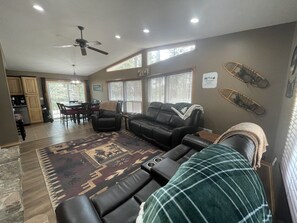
(124, 93)
(113, 67)
(166, 85)
(175, 46)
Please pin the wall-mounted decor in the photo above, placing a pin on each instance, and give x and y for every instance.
(242, 101)
(293, 75)
(246, 74)
(143, 72)
(97, 87)
(210, 80)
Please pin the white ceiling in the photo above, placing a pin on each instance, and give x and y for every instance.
(28, 36)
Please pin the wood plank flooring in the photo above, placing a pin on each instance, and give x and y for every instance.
(35, 195)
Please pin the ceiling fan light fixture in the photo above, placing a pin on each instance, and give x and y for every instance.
(38, 8)
(194, 20)
(146, 30)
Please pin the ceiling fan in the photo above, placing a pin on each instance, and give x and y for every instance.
(83, 44)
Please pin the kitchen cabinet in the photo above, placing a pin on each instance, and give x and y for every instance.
(15, 86)
(32, 99)
(30, 85)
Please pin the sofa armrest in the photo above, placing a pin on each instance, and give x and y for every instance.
(136, 116)
(77, 209)
(164, 170)
(179, 133)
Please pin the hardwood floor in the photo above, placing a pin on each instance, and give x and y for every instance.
(35, 195)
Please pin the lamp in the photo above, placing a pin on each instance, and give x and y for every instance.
(75, 80)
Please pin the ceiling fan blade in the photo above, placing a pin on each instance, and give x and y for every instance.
(83, 51)
(93, 43)
(99, 51)
(66, 46)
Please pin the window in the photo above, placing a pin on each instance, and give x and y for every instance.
(172, 88)
(64, 91)
(132, 62)
(130, 92)
(289, 163)
(155, 56)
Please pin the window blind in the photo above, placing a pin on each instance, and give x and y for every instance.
(129, 91)
(171, 88)
(289, 163)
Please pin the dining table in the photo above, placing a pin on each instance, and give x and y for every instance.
(75, 106)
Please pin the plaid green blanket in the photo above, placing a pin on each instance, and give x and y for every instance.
(214, 185)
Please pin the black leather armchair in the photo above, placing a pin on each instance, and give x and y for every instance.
(108, 120)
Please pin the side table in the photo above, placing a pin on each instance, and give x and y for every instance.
(207, 135)
(126, 119)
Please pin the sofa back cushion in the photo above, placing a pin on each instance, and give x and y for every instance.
(165, 114)
(153, 110)
(176, 121)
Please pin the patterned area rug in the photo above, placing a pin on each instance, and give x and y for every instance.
(91, 165)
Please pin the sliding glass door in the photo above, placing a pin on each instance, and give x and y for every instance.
(63, 91)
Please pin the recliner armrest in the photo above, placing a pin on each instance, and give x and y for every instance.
(195, 142)
(179, 133)
(164, 170)
(77, 209)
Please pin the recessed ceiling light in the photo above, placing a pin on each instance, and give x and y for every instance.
(118, 36)
(38, 8)
(194, 20)
(146, 30)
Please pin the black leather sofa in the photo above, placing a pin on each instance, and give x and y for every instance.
(162, 126)
(106, 120)
(121, 203)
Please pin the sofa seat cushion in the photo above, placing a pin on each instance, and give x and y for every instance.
(146, 191)
(121, 192)
(126, 212)
(162, 135)
(147, 128)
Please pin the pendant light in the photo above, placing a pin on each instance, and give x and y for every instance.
(75, 80)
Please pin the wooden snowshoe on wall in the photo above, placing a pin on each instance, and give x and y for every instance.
(246, 74)
(242, 101)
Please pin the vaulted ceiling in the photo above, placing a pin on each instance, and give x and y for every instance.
(28, 36)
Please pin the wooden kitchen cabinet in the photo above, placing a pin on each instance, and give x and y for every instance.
(15, 86)
(32, 99)
(30, 85)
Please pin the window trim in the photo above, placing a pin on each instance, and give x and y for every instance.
(169, 46)
(124, 93)
(123, 60)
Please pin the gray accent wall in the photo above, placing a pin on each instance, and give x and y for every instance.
(8, 130)
(266, 50)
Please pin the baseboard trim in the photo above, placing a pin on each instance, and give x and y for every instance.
(10, 144)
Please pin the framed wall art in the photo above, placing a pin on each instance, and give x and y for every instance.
(97, 87)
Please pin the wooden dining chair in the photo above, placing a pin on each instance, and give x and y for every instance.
(85, 111)
(67, 113)
(60, 110)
